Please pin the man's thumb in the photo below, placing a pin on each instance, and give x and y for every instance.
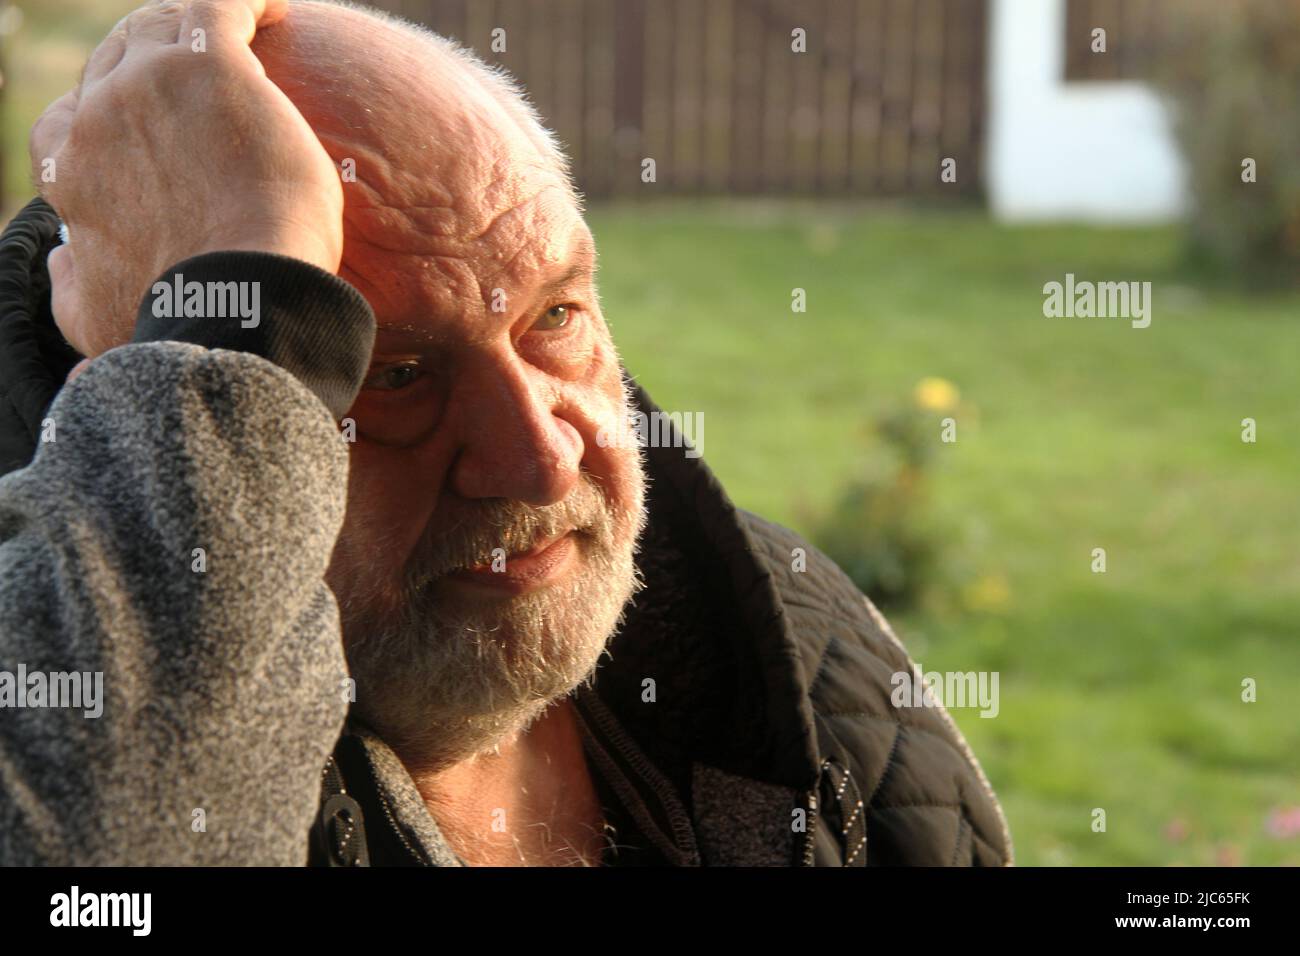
(63, 296)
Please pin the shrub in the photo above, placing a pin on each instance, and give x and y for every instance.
(1232, 72)
(880, 530)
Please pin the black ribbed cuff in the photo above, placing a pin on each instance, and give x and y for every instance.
(309, 322)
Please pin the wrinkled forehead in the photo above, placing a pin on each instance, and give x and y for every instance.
(468, 191)
(435, 161)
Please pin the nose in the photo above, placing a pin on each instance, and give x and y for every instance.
(513, 444)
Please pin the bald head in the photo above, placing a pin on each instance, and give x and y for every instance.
(331, 56)
(452, 165)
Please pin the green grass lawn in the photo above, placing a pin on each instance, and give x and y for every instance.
(1119, 690)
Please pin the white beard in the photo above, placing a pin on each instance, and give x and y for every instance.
(443, 679)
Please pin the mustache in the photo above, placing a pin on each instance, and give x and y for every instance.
(480, 527)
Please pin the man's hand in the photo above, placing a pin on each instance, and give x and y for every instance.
(175, 143)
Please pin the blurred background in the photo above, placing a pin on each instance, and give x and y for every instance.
(921, 168)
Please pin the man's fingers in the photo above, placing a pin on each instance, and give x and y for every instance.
(107, 55)
(143, 26)
(158, 23)
(233, 21)
(49, 133)
(167, 22)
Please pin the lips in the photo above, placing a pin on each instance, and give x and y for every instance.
(524, 571)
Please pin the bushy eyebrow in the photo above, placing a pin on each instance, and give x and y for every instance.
(581, 271)
(398, 337)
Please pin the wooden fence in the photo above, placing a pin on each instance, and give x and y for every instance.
(1136, 34)
(713, 92)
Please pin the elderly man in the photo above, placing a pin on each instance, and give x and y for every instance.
(333, 487)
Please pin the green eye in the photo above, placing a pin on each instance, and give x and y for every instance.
(391, 378)
(556, 317)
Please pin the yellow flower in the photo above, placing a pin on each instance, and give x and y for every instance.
(936, 394)
(989, 593)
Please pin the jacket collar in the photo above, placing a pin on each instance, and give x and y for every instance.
(706, 669)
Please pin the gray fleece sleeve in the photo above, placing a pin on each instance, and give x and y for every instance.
(172, 534)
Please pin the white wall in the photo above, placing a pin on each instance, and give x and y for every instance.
(1096, 151)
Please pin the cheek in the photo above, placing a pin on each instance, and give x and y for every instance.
(391, 498)
(626, 485)
(611, 454)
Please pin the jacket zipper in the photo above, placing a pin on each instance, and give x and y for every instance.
(383, 802)
(616, 741)
(811, 831)
(392, 822)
